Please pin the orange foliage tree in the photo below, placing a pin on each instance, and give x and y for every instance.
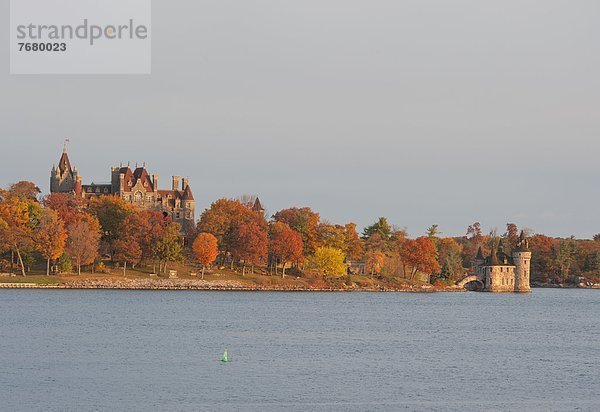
(224, 219)
(205, 249)
(420, 255)
(285, 244)
(20, 216)
(67, 206)
(50, 237)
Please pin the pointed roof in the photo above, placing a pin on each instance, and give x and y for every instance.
(523, 243)
(479, 254)
(64, 164)
(257, 207)
(494, 257)
(187, 193)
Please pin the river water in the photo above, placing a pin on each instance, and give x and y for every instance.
(117, 350)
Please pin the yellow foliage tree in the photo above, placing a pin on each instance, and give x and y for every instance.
(330, 261)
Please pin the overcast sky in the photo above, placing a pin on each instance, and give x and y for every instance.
(444, 112)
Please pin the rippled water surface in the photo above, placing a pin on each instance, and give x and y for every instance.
(158, 350)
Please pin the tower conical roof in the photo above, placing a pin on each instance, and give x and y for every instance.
(523, 243)
(257, 207)
(479, 253)
(494, 257)
(187, 193)
(64, 164)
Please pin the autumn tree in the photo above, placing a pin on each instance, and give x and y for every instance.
(50, 237)
(250, 244)
(329, 235)
(473, 240)
(304, 221)
(374, 261)
(353, 245)
(510, 238)
(285, 244)
(68, 207)
(126, 244)
(24, 190)
(21, 216)
(329, 261)
(205, 249)
(110, 212)
(565, 253)
(449, 258)
(83, 242)
(223, 219)
(420, 255)
(151, 226)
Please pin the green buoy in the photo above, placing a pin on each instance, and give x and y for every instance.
(224, 358)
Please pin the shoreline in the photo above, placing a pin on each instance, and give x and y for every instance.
(218, 286)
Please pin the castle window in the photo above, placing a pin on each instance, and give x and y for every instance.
(97, 190)
(138, 196)
(106, 190)
(148, 198)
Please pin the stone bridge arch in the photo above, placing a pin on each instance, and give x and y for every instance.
(471, 282)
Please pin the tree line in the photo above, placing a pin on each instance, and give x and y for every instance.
(70, 234)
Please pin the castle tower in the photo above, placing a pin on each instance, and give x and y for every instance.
(522, 260)
(63, 178)
(188, 204)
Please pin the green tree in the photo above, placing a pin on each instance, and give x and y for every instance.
(382, 227)
(565, 256)
(433, 231)
(169, 247)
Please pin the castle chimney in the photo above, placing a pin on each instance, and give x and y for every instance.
(121, 183)
(175, 182)
(184, 183)
(155, 181)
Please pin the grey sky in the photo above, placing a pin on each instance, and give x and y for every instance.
(444, 112)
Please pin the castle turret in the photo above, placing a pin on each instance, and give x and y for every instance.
(478, 262)
(63, 177)
(522, 260)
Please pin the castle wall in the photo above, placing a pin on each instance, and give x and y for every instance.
(499, 278)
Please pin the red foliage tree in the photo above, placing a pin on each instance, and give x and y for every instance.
(250, 245)
(68, 207)
(304, 221)
(285, 244)
(420, 255)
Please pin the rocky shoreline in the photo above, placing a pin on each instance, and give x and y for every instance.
(214, 285)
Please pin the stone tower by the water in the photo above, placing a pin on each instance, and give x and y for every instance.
(501, 272)
(522, 260)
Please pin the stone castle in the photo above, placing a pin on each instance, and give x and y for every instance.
(500, 272)
(135, 187)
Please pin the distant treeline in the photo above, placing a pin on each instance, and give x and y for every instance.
(69, 234)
